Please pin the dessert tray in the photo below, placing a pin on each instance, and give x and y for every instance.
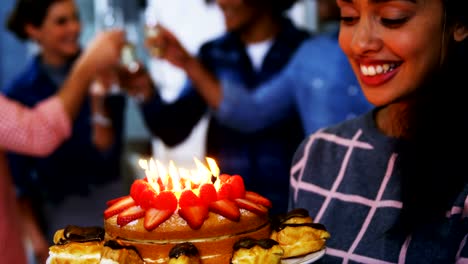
(309, 258)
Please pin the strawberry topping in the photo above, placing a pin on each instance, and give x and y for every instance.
(257, 198)
(119, 206)
(251, 206)
(208, 193)
(225, 191)
(113, 201)
(195, 215)
(238, 188)
(226, 208)
(154, 217)
(157, 207)
(147, 198)
(165, 200)
(188, 198)
(138, 186)
(132, 213)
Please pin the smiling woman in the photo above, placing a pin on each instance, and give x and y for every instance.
(395, 171)
(391, 45)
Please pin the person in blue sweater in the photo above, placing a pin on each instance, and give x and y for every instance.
(72, 184)
(391, 185)
(318, 83)
(259, 42)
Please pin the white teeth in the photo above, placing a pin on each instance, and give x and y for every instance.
(364, 70)
(373, 70)
(379, 69)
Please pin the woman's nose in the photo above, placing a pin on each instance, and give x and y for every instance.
(366, 38)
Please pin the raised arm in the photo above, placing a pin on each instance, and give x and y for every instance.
(40, 130)
(232, 104)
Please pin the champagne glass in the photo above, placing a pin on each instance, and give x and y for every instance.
(110, 16)
(151, 30)
(156, 65)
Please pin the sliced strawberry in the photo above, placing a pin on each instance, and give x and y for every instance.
(223, 178)
(130, 214)
(208, 193)
(238, 188)
(226, 208)
(224, 191)
(119, 206)
(154, 217)
(165, 200)
(194, 215)
(257, 198)
(188, 198)
(138, 186)
(147, 198)
(113, 201)
(251, 206)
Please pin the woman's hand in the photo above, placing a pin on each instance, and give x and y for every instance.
(169, 48)
(137, 84)
(103, 52)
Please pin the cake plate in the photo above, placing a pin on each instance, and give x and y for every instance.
(306, 259)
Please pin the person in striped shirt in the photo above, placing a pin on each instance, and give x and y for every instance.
(391, 185)
(39, 130)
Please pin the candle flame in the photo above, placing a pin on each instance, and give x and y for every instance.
(177, 179)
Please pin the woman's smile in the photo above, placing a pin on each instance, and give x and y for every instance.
(377, 72)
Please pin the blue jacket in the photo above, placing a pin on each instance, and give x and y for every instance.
(262, 158)
(318, 82)
(76, 165)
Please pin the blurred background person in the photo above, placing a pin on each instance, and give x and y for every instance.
(72, 184)
(318, 82)
(38, 131)
(259, 41)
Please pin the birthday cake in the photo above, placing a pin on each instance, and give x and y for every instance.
(166, 216)
(213, 214)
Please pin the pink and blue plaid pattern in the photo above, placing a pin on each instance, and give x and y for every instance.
(347, 177)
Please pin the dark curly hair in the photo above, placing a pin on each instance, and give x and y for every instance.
(457, 10)
(27, 12)
(433, 171)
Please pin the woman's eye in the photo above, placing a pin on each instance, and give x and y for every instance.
(61, 21)
(392, 23)
(348, 20)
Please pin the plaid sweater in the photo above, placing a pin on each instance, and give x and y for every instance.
(346, 177)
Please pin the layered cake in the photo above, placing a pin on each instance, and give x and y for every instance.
(213, 215)
(190, 220)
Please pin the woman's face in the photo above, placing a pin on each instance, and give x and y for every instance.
(392, 45)
(239, 14)
(60, 31)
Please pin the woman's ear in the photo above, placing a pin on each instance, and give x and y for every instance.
(460, 32)
(32, 31)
